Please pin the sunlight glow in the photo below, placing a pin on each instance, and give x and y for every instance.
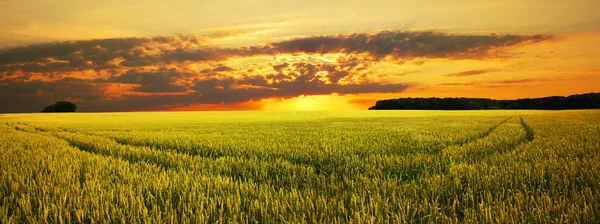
(305, 103)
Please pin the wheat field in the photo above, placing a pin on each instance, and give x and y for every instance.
(301, 167)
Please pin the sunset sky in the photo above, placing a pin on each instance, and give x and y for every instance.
(291, 55)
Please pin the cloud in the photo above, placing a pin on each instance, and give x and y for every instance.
(104, 54)
(362, 101)
(98, 54)
(222, 68)
(216, 70)
(279, 68)
(408, 45)
(515, 81)
(166, 72)
(251, 105)
(151, 82)
(298, 79)
(210, 94)
(403, 73)
(342, 70)
(468, 73)
(497, 83)
(31, 96)
(96, 50)
(200, 88)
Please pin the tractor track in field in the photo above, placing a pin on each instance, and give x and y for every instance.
(204, 152)
(214, 154)
(474, 138)
(287, 185)
(484, 134)
(319, 168)
(125, 143)
(437, 153)
(153, 157)
(529, 137)
(322, 169)
(443, 160)
(90, 148)
(528, 130)
(439, 161)
(440, 148)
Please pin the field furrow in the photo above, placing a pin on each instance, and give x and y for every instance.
(327, 163)
(405, 167)
(536, 167)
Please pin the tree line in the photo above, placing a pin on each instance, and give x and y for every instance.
(581, 101)
(60, 106)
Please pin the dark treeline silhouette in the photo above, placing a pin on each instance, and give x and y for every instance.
(60, 106)
(582, 101)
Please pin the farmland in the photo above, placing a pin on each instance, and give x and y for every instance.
(296, 167)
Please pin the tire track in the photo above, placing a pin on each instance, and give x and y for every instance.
(530, 135)
(428, 163)
(481, 161)
(484, 134)
(446, 161)
(263, 172)
(498, 142)
(196, 152)
(327, 167)
(90, 148)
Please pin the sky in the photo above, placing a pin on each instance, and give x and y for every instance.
(291, 55)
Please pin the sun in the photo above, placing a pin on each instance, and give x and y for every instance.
(304, 102)
(313, 102)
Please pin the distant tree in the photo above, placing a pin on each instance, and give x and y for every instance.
(61, 106)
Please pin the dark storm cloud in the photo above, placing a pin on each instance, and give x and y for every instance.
(303, 71)
(33, 96)
(40, 67)
(468, 73)
(407, 44)
(140, 103)
(337, 75)
(301, 79)
(185, 55)
(215, 70)
(95, 54)
(100, 54)
(279, 68)
(222, 68)
(288, 90)
(81, 89)
(151, 82)
(167, 88)
(30, 96)
(89, 98)
(97, 51)
(89, 95)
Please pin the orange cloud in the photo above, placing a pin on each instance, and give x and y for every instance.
(216, 107)
(135, 52)
(468, 73)
(185, 72)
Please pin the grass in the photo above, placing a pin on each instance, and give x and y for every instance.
(301, 167)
